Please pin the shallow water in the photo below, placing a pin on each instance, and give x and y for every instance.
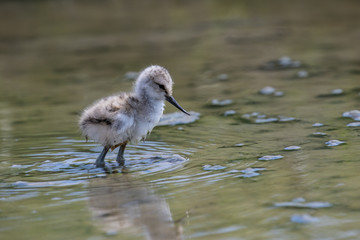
(205, 179)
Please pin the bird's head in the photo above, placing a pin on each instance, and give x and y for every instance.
(155, 82)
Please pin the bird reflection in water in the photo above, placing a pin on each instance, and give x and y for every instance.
(120, 204)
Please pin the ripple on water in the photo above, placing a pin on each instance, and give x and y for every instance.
(213, 167)
(22, 166)
(146, 157)
(71, 167)
(18, 197)
(154, 164)
(59, 183)
(251, 172)
(210, 175)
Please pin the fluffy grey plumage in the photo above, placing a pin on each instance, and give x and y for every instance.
(128, 117)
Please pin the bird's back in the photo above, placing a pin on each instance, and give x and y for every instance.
(107, 120)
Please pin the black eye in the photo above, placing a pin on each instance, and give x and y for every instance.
(162, 86)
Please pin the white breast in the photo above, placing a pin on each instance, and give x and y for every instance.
(147, 120)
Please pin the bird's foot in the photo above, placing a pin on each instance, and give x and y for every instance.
(100, 164)
(121, 161)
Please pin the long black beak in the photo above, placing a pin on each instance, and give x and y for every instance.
(172, 100)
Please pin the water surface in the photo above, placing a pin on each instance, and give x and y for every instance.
(200, 180)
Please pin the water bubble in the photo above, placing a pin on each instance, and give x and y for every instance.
(299, 199)
(318, 205)
(304, 218)
(239, 145)
(292, 148)
(286, 119)
(287, 62)
(270, 157)
(284, 62)
(354, 114)
(337, 91)
(278, 93)
(354, 124)
(266, 120)
(56, 198)
(302, 74)
(229, 112)
(321, 134)
(222, 77)
(224, 102)
(267, 90)
(318, 124)
(333, 143)
(271, 91)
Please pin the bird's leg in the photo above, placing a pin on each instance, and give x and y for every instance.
(120, 157)
(100, 160)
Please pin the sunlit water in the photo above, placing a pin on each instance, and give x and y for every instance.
(271, 153)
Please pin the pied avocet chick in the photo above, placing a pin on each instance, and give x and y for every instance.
(128, 117)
